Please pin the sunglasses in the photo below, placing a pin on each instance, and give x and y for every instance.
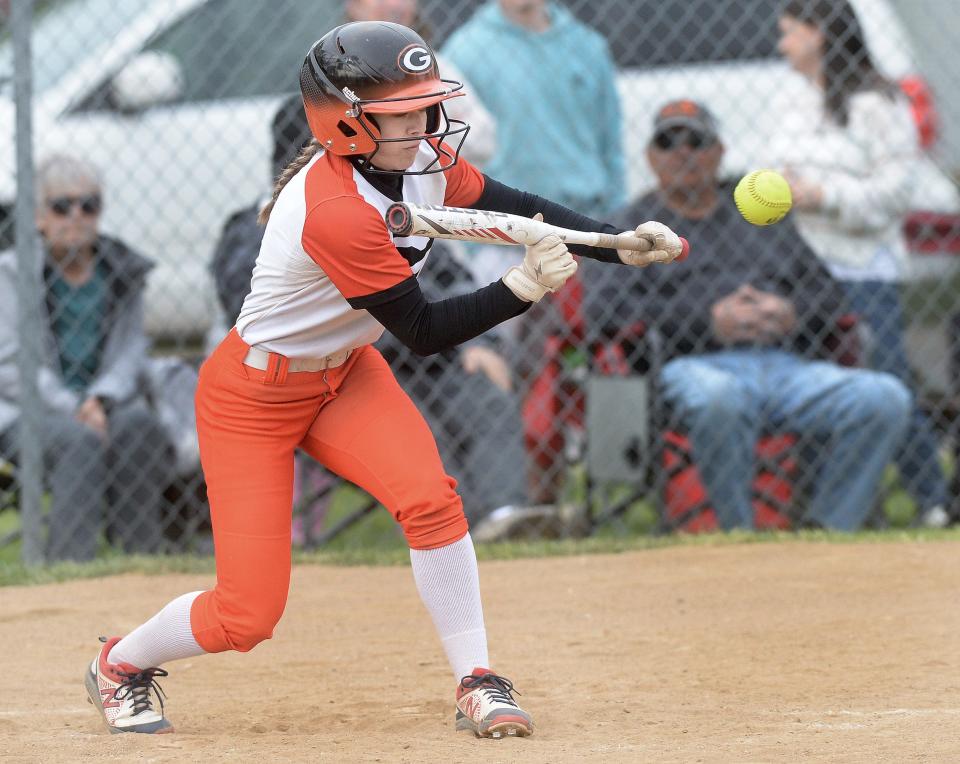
(668, 140)
(89, 205)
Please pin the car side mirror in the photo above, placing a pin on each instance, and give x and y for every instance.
(151, 78)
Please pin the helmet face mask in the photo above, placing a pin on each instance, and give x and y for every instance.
(362, 69)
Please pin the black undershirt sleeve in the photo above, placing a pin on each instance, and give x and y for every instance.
(431, 327)
(500, 198)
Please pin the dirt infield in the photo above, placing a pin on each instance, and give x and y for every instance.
(766, 652)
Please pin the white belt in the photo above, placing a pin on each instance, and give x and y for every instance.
(260, 359)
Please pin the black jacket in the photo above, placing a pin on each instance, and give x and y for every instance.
(726, 253)
(234, 257)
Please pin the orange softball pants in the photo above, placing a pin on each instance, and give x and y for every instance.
(355, 420)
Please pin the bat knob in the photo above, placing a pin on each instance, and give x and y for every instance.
(684, 251)
(399, 220)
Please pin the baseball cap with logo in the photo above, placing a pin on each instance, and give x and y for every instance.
(688, 114)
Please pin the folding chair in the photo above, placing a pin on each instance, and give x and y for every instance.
(632, 441)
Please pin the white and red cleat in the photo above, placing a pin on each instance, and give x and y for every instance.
(122, 693)
(485, 705)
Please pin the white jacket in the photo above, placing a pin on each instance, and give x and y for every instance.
(867, 170)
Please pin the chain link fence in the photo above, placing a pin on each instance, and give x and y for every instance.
(155, 133)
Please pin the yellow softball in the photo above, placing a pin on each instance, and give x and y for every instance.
(763, 197)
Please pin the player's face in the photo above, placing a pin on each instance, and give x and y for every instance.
(69, 216)
(801, 44)
(410, 125)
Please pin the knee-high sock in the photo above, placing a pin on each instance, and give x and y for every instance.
(449, 586)
(165, 637)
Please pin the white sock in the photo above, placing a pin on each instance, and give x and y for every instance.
(449, 586)
(165, 637)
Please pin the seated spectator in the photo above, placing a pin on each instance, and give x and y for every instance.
(101, 442)
(744, 322)
(466, 394)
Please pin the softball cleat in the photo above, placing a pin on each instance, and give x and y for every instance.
(486, 707)
(123, 692)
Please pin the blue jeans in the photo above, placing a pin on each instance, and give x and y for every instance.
(878, 303)
(854, 418)
(118, 483)
(479, 434)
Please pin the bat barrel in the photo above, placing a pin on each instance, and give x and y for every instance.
(399, 220)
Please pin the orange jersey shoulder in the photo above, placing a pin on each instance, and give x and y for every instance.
(345, 235)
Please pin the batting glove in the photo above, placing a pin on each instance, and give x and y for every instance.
(545, 268)
(666, 245)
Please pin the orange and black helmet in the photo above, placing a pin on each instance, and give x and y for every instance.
(365, 68)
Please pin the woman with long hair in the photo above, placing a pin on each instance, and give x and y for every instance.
(849, 148)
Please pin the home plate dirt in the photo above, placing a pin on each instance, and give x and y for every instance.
(794, 651)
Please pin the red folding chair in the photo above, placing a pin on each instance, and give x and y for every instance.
(673, 477)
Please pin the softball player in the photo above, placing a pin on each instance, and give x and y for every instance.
(298, 370)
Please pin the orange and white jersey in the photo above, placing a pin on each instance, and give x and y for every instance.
(326, 243)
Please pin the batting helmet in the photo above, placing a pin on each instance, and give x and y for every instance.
(374, 67)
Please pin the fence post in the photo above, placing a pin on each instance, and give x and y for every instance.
(30, 456)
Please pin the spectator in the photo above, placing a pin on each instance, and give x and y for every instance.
(100, 440)
(466, 394)
(549, 82)
(468, 108)
(850, 151)
(742, 322)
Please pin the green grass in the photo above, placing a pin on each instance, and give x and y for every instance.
(15, 573)
(9, 522)
(376, 540)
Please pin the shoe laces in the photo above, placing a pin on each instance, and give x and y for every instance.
(138, 686)
(496, 687)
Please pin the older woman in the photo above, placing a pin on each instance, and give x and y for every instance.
(100, 440)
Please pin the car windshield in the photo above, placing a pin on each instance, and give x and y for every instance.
(95, 22)
(214, 42)
(678, 32)
(648, 33)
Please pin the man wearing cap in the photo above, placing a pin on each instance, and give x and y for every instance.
(744, 324)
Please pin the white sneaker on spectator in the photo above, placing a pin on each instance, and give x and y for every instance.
(935, 517)
(515, 522)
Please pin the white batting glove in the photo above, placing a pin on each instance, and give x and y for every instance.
(545, 268)
(666, 245)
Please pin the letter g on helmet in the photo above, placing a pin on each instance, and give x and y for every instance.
(415, 59)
